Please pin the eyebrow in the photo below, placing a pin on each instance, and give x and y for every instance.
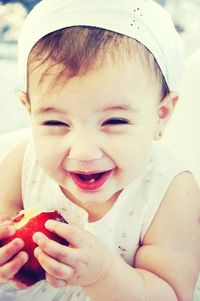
(119, 107)
(42, 110)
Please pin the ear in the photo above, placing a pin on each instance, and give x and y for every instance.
(165, 111)
(23, 97)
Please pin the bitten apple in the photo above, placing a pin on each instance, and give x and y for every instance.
(26, 224)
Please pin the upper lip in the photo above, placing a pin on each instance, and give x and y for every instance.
(88, 172)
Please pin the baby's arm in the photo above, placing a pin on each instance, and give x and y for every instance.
(166, 266)
(11, 203)
(171, 248)
(10, 182)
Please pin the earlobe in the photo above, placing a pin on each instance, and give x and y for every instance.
(165, 111)
(23, 97)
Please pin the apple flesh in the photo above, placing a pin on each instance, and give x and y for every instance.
(26, 224)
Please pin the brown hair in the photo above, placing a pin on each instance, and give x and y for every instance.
(77, 49)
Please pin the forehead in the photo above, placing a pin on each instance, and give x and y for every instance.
(109, 84)
(109, 73)
(69, 61)
(46, 76)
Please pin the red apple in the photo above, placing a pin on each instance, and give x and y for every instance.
(26, 224)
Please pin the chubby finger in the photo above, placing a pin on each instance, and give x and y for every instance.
(52, 266)
(70, 232)
(57, 283)
(6, 230)
(11, 249)
(8, 270)
(61, 253)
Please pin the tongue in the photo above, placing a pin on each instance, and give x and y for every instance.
(91, 177)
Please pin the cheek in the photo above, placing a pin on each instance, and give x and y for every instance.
(136, 149)
(133, 154)
(136, 159)
(47, 154)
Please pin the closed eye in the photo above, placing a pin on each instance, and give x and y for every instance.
(116, 121)
(55, 123)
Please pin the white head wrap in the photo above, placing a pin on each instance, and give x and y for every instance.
(143, 20)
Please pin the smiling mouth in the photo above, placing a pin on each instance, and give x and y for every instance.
(90, 181)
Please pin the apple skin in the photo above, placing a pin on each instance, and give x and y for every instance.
(32, 272)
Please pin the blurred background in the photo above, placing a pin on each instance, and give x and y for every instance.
(185, 14)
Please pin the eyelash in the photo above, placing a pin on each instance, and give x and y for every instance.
(116, 121)
(111, 121)
(54, 123)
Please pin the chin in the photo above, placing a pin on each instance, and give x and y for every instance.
(96, 197)
(26, 224)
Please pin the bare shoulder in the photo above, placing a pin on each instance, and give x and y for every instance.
(171, 247)
(179, 213)
(10, 181)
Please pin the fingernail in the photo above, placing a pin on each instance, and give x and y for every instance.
(49, 224)
(37, 237)
(11, 230)
(24, 257)
(36, 252)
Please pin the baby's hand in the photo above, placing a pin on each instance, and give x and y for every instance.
(11, 258)
(85, 261)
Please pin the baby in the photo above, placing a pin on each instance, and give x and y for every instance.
(99, 81)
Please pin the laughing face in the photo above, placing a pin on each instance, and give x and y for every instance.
(93, 134)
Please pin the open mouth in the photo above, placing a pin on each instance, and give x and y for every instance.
(90, 181)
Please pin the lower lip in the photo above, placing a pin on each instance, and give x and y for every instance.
(84, 185)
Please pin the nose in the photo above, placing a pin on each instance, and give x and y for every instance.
(84, 147)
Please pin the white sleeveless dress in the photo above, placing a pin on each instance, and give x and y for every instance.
(122, 229)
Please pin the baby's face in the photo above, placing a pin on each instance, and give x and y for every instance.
(93, 134)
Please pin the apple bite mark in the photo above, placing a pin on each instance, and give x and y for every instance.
(26, 224)
(22, 218)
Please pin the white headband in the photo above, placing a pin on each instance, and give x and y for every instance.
(143, 20)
